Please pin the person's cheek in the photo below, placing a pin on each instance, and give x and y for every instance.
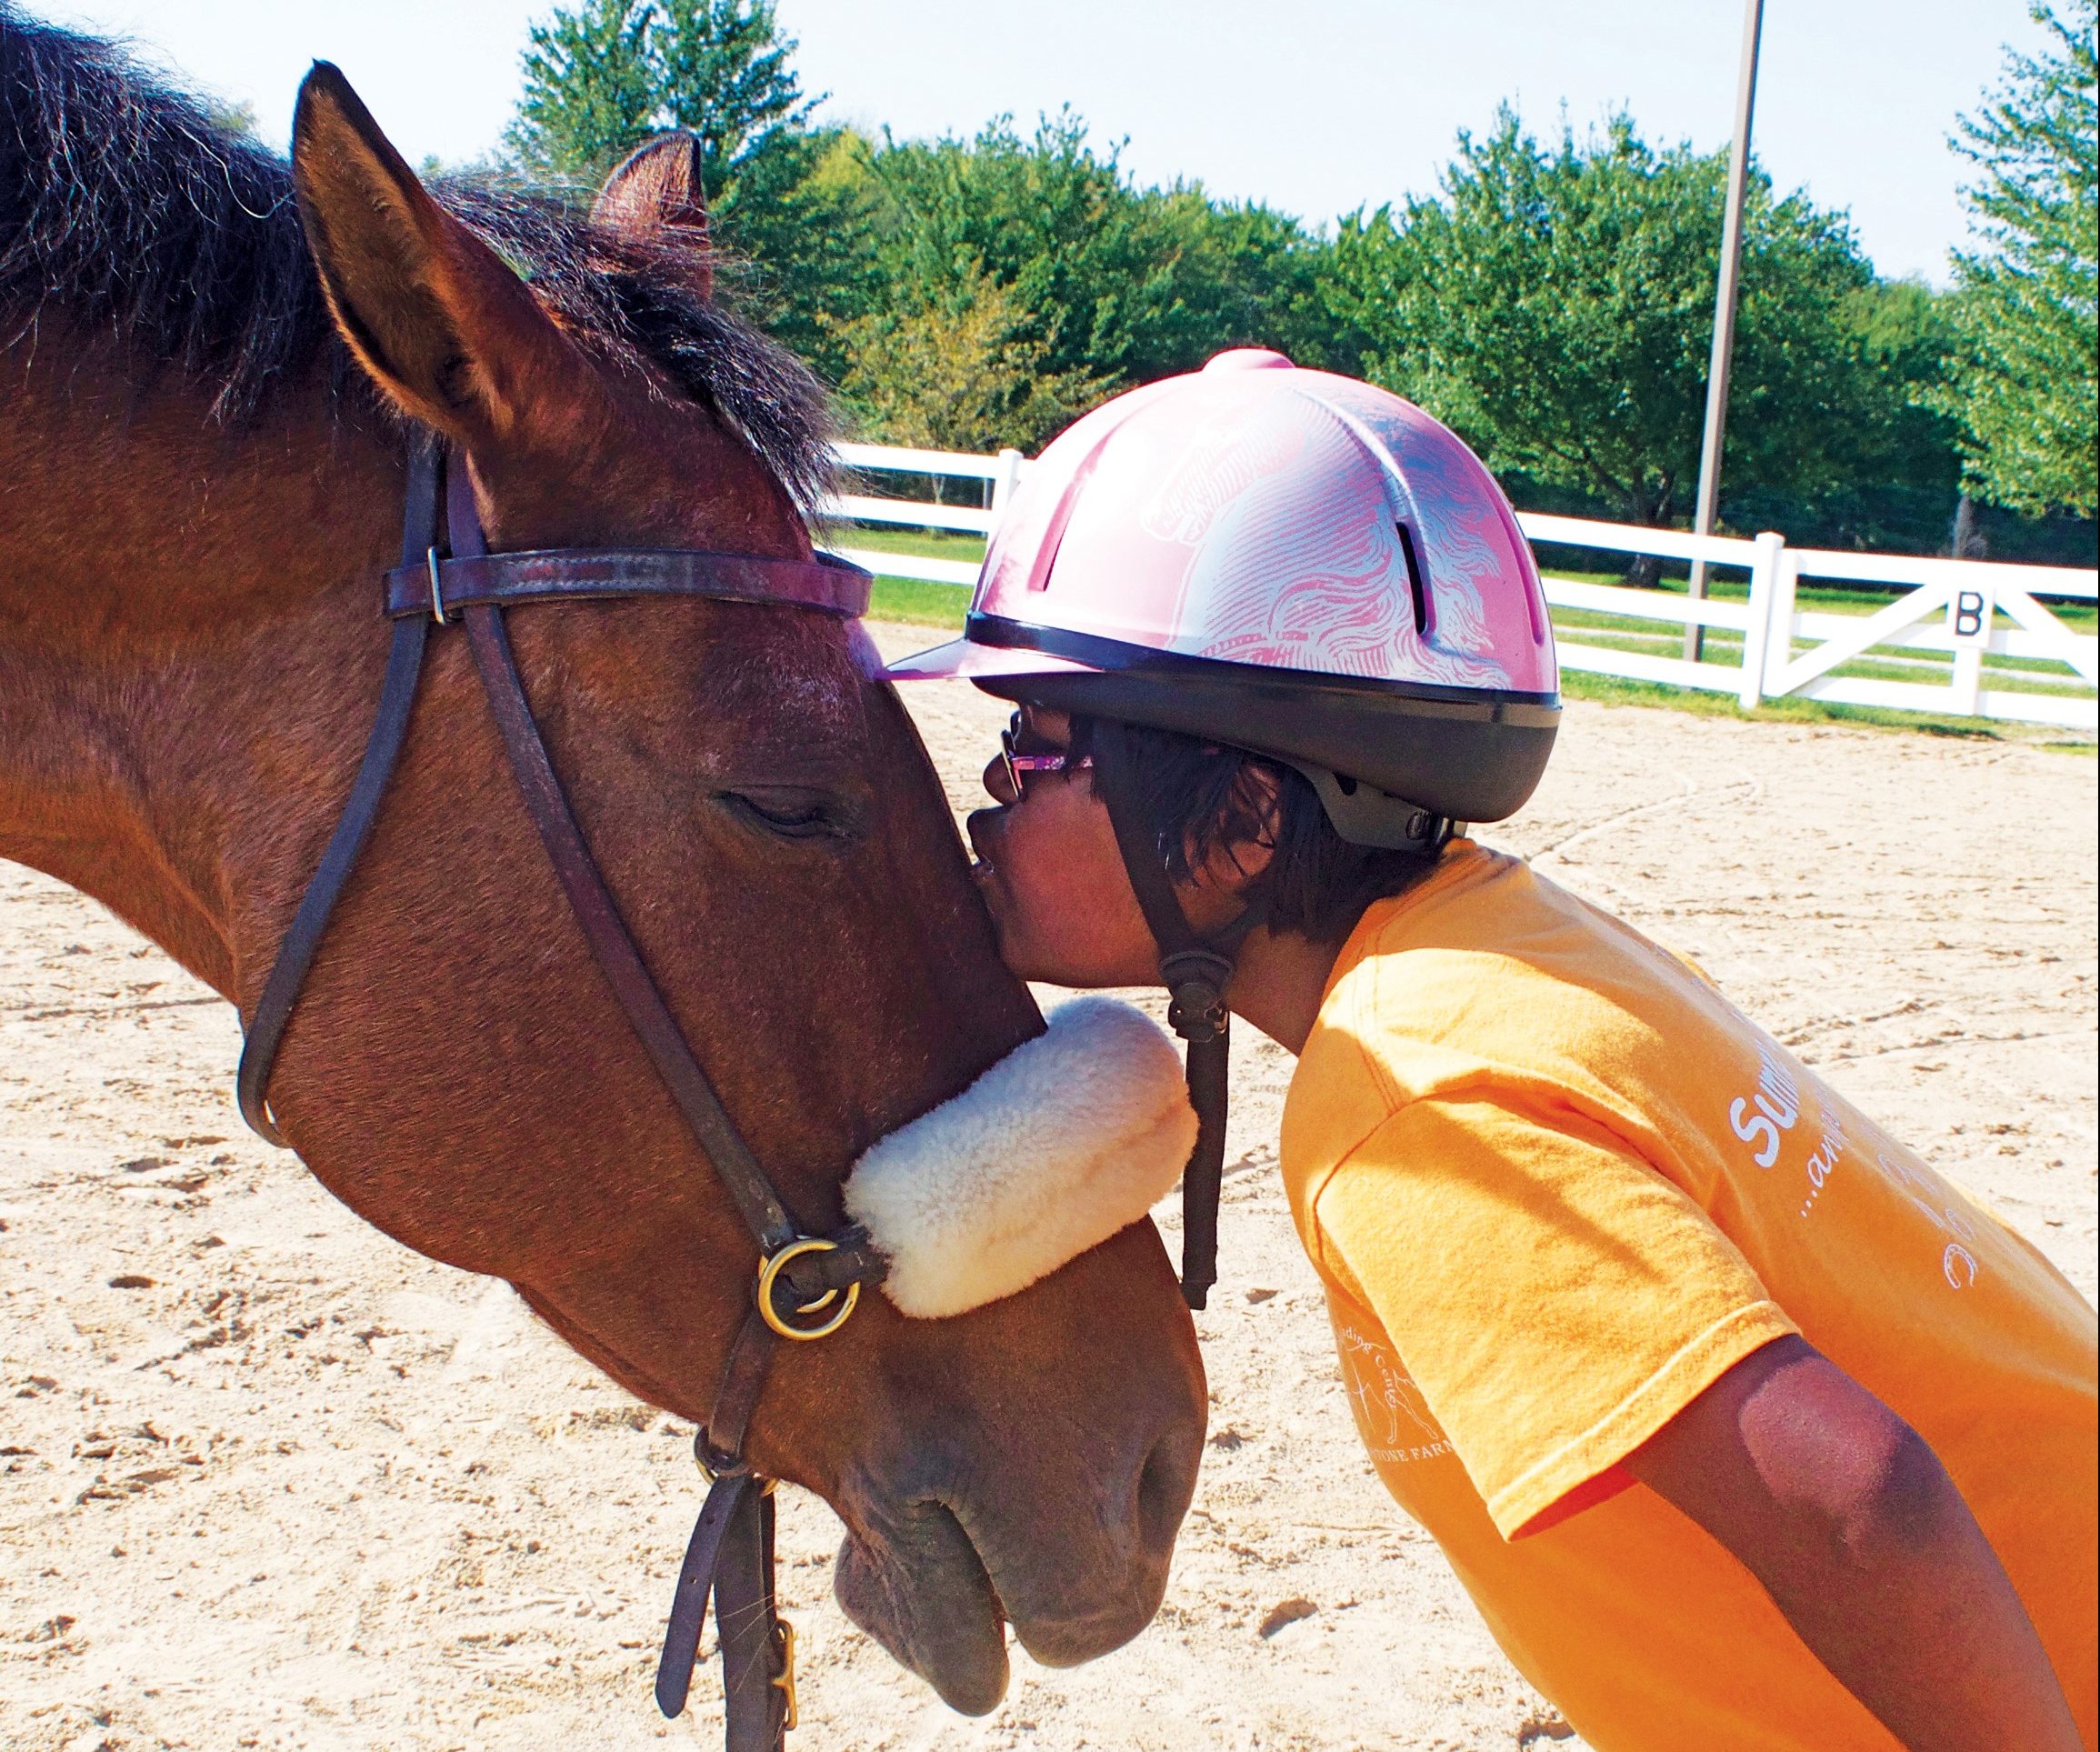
(1045, 904)
(1042, 921)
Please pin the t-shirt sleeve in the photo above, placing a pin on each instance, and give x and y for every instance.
(1556, 1299)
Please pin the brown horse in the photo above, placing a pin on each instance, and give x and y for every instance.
(200, 484)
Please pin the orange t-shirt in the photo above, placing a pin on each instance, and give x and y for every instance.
(1555, 1185)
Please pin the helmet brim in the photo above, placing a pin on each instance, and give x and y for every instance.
(968, 660)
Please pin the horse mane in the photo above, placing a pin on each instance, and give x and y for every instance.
(125, 207)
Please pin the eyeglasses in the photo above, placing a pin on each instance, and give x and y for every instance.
(1021, 765)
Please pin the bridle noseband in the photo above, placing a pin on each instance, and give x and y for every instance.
(806, 1286)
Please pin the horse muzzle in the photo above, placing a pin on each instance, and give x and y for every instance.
(1077, 1565)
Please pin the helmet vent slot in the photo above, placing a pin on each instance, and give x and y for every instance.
(1417, 585)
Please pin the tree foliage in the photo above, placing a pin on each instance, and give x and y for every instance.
(1553, 302)
(603, 76)
(1125, 284)
(2025, 377)
(589, 97)
(965, 369)
(1098, 283)
(800, 220)
(1555, 306)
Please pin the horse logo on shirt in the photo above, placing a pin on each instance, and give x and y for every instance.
(1396, 1422)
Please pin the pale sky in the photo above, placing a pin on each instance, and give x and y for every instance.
(1316, 107)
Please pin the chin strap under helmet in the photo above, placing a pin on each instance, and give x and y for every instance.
(1197, 973)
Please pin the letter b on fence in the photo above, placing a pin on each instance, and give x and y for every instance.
(1969, 617)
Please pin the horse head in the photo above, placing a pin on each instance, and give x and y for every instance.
(778, 843)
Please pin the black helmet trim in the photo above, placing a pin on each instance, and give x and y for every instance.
(1460, 753)
(1507, 706)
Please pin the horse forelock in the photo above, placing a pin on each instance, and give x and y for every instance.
(124, 208)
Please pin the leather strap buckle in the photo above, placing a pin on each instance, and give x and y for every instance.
(1196, 979)
(715, 1466)
(783, 1681)
(436, 586)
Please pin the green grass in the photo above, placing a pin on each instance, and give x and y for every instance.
(921, 544)
(1615, 690)
(1830, 598)
(1923, 668)
(921, 604)
(915, 600)
(1724, 650)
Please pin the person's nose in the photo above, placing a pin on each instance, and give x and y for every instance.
(999, 783)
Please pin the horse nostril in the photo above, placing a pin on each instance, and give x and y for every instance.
(1164, 1490)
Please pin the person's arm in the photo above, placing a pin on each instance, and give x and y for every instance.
(1848, 1519)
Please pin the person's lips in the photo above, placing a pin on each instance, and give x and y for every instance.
(983, 829)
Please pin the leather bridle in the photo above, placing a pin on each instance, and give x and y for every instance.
(806, 1286)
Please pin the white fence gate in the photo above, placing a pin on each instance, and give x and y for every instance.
(1954, 618)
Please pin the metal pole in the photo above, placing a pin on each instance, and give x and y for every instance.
(1725, 314)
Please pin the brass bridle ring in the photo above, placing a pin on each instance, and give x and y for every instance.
(769, 1274)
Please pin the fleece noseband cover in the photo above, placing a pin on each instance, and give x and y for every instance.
(1072, 1137)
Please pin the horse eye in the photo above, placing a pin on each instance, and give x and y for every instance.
(801, 817)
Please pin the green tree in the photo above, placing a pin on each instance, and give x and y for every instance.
(1046, 218)
(1899, 481)
(849, 244)
(800, 221)
(1904, 477)
(841, 245)
(590, 95)
(2025, 366)
(962, 372)
(1555, 306)
(724, 73)
(1113, 283)
(604, 76)
(1239, 274)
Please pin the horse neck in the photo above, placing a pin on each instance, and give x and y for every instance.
(179, 670)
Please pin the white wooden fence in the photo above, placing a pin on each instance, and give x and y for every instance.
(1930, 649)
(999, 474)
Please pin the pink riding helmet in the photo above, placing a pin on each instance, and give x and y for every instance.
(1288, 561)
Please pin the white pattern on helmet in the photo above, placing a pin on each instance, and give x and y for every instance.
(1455, 650)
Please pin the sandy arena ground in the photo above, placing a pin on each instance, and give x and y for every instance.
(267, 1479)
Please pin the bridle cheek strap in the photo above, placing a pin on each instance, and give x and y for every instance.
(806, 1286)
(272, 1013)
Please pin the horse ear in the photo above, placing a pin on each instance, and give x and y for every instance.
(657, 191)
(447, 329)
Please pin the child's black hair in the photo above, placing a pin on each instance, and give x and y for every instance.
(1201, 798)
